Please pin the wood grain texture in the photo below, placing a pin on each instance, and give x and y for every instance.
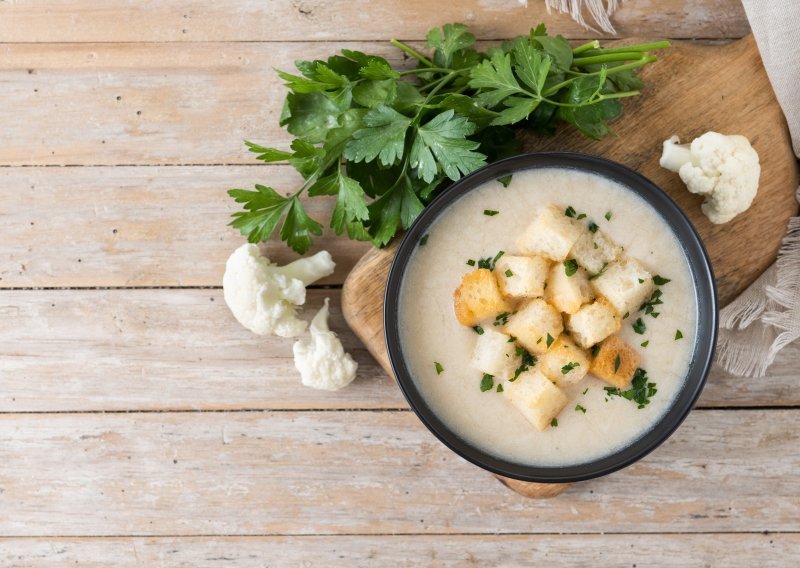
(117, 350)
(131, 226)
(449, 551)
(300, 473)
(302, 20)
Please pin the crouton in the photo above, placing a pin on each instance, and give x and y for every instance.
(568, 293)
(536, 397)
(551, 234)
(565, 363)
(626, 284)
(536, 325)
(521, 276)
(478, 298)
(615, 362)
(593, 323)
(495, 354)
(595, 250)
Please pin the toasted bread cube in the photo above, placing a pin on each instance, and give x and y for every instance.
(521, 276)
(593, 323)
(568, 293)
(551, 234)
(495, 354)
(536, 397)
(478, 298)
(626, 284)
(565, 363)
(615, 362)
(595, 250)
(532, 324)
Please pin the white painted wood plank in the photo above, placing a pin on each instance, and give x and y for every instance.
(131, 226)
(300, 473)
(95, 350)
(259, 20)
(442, 551)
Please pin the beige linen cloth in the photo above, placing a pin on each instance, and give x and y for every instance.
(766, 317)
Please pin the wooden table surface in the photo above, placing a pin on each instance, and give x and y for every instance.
(140, 425)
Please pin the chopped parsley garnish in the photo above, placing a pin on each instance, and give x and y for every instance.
(640, 392)
(554, 423)
(570, 266)
(508, 273)
(538, 341)
(616, 364)
(490, 212)
(639, 326)
(579, 408)
(424, 240)
(471, 262)
(645, 343)
(585, 390)
(602, 271)
(505, 180)
(487, 382)
(649, 305)
(678, 335)
(512, 339)
(626, 315)
(608, 215)
(501, 319)
(570, 212)
(595, 246)
(641, 281)
(581, 216)
(593, 227)
(660, 280)
(550, 340)
(439, 368)
(499, 388)
(489, 263)
(595, 350)
(478, 329)
(526, 362)
(569, 366)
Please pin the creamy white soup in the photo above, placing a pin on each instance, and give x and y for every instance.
(439, 350)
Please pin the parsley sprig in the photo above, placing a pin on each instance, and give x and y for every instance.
(641, 390)
(383, 141)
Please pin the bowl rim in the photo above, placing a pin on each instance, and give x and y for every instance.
(703, 351)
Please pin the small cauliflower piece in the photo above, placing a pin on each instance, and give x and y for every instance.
(595, 250)
(536, 397)
(494, 354)
(521, 276)
(565, 363)
(568, 293)
(626, 284)
(615, 362)
(551, 234)
(725, 169)
(321, 359)
(593, 323)
(532, 324)
(263, 297)
(478, 298)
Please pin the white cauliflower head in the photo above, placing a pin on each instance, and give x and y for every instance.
(723, 168)
(263, 296)
(321, 359)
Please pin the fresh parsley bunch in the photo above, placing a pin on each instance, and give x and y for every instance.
(383, 141)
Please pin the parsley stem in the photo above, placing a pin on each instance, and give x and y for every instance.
(426, 70)
(606, 58)
(416, 55)
(627, 48)
(610, 71)
(594, 44)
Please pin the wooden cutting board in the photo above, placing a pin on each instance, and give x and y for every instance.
(690, 90)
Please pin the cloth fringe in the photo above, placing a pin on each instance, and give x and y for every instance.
(600, 13)
(766, 317)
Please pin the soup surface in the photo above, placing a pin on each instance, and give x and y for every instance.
(430, 332)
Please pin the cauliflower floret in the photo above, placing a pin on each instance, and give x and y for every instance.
(263, 296)
(321, 359)
(723, 168)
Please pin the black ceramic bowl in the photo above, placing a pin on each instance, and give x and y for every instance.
(702, 355)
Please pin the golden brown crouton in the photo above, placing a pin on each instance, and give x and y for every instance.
(536, 325)
(536, 397)
(565, 363)
(478, 298)
(615, 362)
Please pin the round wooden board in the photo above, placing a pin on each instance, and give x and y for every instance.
(691, 90)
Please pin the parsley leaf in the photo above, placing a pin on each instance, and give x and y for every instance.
(383, 137)
(487, 382)
(444, 138)
(448, 40)
(570, 267)
(641, 390)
